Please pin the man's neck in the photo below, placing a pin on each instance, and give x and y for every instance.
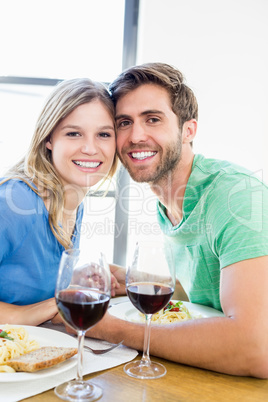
(171, 189)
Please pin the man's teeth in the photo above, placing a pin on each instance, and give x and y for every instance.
(142, 155)
(87, 164)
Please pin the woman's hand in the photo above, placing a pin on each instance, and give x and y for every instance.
(32, 314)
(57, 319)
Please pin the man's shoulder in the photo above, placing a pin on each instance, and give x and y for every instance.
(221, 173)
(214, 167)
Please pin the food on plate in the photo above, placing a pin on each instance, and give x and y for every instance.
(20, 353)
(173, 312)
(42, 358)
(14, 342)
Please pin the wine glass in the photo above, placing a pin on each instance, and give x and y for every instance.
(150, 284)
(83, 292)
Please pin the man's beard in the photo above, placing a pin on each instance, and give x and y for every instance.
(167, 165)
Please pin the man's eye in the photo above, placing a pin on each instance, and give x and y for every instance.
(153, 120)
(123, 123)
(73, 134)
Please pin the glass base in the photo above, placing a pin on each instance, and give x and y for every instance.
(139, 370)
(82, 391)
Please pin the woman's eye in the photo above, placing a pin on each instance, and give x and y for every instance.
(105, 135)
(73, 134)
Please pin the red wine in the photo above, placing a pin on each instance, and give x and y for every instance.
(149, 298)
(82, 308)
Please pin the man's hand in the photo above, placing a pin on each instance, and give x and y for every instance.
(118, 279)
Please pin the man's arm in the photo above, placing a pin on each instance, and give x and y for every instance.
(235, 344)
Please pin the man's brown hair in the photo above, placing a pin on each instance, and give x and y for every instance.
(182, 98)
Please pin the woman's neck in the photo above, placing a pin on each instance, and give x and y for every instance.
(73, 197)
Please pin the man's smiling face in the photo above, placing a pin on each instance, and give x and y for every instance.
(149, 140)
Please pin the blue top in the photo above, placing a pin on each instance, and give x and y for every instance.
(29, 251)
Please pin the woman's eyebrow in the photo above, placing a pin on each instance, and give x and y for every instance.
(75, 127)
(70, 126)
(106, 127)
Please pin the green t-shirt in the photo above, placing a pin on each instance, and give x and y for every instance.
(225, 220)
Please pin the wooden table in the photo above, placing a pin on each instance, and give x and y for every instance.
(181, 383)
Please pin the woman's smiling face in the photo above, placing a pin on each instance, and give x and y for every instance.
(83, 145)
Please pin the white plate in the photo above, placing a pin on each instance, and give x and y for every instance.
(126, 311)
(45, 337)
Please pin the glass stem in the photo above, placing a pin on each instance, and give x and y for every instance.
(146, 344)
(81, 337)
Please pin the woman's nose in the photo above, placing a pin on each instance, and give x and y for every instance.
(89, 147)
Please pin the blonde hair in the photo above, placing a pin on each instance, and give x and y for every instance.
(37, 165)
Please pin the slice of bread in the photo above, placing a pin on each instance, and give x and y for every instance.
(42, 358)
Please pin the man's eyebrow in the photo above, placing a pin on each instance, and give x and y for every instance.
(122, 116)
(151, 111)
(144, 113)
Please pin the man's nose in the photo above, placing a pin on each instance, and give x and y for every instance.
(138, 134)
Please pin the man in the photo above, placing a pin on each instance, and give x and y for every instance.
(215, 216)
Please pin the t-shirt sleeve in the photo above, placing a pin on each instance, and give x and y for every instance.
(17, 215)
(237, 218)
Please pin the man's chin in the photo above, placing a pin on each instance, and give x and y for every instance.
(139, 176)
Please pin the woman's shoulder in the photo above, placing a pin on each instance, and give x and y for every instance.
(16, 196)
(16, 186)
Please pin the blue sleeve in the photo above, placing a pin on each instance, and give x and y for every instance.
(18, 210)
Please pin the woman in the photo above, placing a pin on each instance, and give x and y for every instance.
(41, 198)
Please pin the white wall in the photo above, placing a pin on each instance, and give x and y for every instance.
(221, 48)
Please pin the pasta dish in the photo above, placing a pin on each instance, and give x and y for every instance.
(14, 342)
(173, 312)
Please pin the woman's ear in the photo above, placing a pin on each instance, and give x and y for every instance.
(189, 131)
(48, 143)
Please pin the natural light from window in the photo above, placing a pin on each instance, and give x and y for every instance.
(62, 38)
(59, 39)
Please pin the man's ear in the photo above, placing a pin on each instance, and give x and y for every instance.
(189, 131)
(48, 143)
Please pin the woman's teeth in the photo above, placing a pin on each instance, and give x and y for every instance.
(142, 155)
(87, 164)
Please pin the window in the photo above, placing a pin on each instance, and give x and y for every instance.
(44, 44)
(62, 39)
